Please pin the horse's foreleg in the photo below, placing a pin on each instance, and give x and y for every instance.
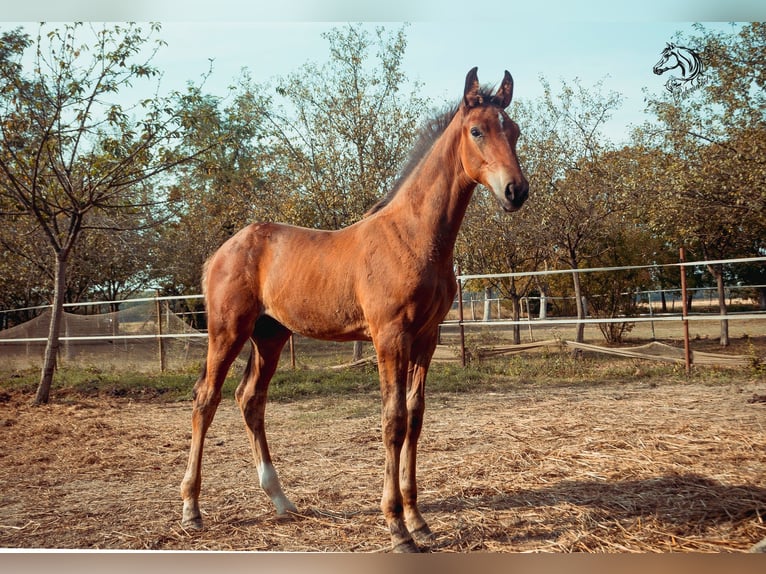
(251, 397)
(392, 366)
(416, 384)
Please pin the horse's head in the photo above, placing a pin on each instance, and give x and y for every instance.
(668, 60)
(488, 142)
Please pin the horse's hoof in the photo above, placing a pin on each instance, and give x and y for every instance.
(407, 547)
(423, 535)
(284, 508)
(287, 516)
(192, 523)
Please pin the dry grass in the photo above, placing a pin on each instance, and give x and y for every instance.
(615, 467)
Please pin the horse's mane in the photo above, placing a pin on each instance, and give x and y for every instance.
(431, 131)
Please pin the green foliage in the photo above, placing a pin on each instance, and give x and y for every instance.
(709, 147)
(351, 128)
(613, 295)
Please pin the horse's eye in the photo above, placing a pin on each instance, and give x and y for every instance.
(476, 132)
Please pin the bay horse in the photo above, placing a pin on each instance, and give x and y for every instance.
(388, 279)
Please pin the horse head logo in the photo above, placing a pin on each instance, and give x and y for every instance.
(689, 64)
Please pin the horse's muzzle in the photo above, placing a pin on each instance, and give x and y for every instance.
(516, 194)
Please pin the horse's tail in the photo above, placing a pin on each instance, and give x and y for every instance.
(246, 374)
(205, 269)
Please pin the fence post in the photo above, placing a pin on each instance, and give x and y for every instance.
(651, 314)
(460, 317)
(684, 312)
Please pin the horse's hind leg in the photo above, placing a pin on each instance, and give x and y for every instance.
(268, 340)
(224, 344)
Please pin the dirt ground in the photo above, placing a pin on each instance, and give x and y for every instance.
(620, 467)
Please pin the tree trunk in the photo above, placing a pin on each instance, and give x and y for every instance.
(580, 307)
(357, 351)
(717, 272)
(516, 313)
(52, 347)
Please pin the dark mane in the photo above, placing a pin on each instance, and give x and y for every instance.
(431, 130)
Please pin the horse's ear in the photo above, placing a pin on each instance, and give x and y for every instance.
(472, 95)
(504, 95)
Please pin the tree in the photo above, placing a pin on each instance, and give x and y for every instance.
(490, 243)
(70, 154)
(612, 294)
(104, 264)
(611, 234)
(352, 126)
(713, 149)
(21, 276)
(572, 198)
(114, 266)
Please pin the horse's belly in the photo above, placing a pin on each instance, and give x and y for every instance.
(321, 319)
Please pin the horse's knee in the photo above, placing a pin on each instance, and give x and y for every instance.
(394, 423)
(394, 417)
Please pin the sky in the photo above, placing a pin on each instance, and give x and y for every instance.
(610, 42)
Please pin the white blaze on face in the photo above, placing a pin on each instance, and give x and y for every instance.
(498, 179)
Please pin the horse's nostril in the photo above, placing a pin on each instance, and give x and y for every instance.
(517, 193)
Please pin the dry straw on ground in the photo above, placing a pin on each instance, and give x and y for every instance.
(617, 467)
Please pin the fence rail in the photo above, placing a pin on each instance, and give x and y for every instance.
(161, 329)
(676, 317)
(621, 268)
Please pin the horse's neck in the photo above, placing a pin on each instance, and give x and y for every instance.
(432, 203)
